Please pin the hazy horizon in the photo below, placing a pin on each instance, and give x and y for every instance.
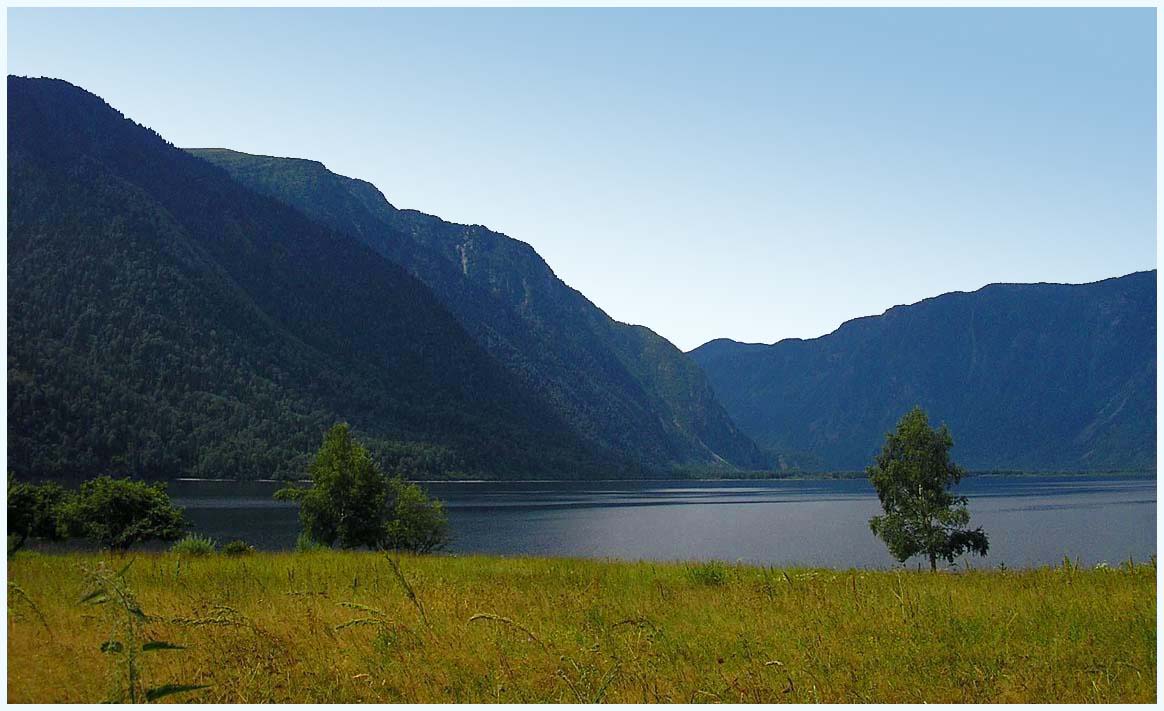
(750, 174)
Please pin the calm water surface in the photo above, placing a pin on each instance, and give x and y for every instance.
(1030, 520)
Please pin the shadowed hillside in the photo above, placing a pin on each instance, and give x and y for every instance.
(623, 388)
(1027, 376)
(164, 320)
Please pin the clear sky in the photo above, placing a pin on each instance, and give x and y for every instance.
(751, 174)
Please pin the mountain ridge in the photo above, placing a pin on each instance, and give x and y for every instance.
(622, 386)
(1040, 376)
(451, 346)
(855, 319)
(195, 327)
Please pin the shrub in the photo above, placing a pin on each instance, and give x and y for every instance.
(306, 544)
(195, 546)
(33, 512)
(418, 523)
(710, 573)
(121, 512)
(238, 548)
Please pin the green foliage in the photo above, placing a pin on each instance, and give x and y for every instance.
(33, 512)
(417, 523)
(119, 513)
(711, 573)
(347, 502)
(912, 476)
(195, 546)
(237, 547)
(305, 544)
(352, 504)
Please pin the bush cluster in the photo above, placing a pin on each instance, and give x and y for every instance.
(350, 503)
(195, 546)
(114, 513)
(712, 573)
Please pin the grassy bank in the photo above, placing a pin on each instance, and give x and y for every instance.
(344, 627)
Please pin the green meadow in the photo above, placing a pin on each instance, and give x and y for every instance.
(353, 626)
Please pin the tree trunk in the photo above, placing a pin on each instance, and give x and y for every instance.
(933, 563)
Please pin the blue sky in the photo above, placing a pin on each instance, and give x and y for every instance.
(753, 174)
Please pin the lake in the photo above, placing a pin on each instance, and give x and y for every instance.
(1030, 520)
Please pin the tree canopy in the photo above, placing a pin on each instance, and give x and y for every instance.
(33, 512)
(913, 475)
(418, 523)
(351, 503)
(119, 513)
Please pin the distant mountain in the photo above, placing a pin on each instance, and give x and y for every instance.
(164, 320)
(1027, 376)
(623, 388)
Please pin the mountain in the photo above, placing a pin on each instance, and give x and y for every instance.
(623, 388)
(1027, 376)
(164, 320)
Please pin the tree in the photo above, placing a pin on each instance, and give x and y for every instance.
(347, 502)
(351, 503)
(119, 513)
(33, 512)
(912, 476)
(418, 523)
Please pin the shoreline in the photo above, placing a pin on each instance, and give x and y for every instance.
(825, 476)
(155, 550)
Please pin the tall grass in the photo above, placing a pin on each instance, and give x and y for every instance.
(710, 573)
(349, 627)
(125, 640)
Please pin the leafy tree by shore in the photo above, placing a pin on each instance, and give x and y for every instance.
(912, 476)
(418, 522)
(119, 513)
(347, 501)
(352, 504)
(33, 512)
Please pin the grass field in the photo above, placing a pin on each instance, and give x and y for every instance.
(345, 627)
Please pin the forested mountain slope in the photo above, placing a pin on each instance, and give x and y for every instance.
(1027, 376)
(164, 320)
(623, 388)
